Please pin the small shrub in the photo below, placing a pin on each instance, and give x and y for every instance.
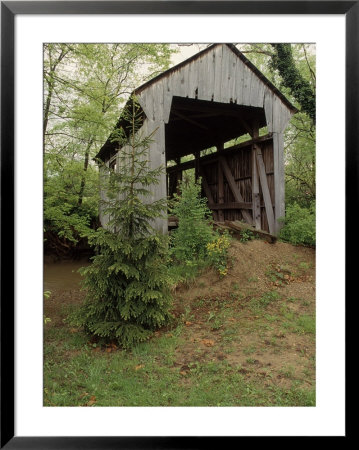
(246, 235)
(299, 225)
(218, 253)
(195, 244)
(194, 232)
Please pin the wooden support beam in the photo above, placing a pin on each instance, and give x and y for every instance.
(230, 205)
(182, 166)
(243, 145)
(245, 125)
(220, 192)
(240, 226)
(233, 186)
(279, 198)
(265, 189)
(193, 122)
(256, 207)
(207, 191)
(196, 165)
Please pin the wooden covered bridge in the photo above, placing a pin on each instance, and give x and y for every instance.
(204, 102)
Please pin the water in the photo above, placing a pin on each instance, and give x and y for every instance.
(63, 275)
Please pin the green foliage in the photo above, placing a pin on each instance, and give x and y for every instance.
(299, 225)
(292, 68)
(195, 244)
(218, 253)
(63, 216)
(300, 161)
(194, 232)
(85, 86)
(300, 88)
(127, 283)
(246, 235)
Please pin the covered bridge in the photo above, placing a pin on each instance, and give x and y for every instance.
(204, 102)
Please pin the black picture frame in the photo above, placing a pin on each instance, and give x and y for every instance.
(9, 9)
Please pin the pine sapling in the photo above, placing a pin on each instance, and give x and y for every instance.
(127, 284)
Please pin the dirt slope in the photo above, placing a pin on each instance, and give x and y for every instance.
(259, 318)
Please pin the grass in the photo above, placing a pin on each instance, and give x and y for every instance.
(242, 346)
(156, 373)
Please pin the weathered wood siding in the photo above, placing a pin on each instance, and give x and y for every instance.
(220, 76)
(240, 163)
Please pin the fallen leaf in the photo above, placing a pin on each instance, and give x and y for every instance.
(92, 401)
(188, 323)
(140, 366)
(208, 342)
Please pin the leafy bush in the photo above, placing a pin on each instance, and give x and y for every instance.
(218, 253)
(299, 225)
(189, 241)
(195, 244)
(246, 235)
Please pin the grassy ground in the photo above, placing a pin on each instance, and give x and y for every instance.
(245, 340)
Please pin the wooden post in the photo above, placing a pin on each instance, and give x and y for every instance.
(256, 207)
(265, 189)
(220, 192)
(233, 186)
(196, 165)
(220, 147)
(278, 158)
(208, 192)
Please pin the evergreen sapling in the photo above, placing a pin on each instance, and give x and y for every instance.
(127, 284)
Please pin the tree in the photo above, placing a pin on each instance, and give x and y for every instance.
(292, 68)
(127, 283)
(300, 88)
(85, 87)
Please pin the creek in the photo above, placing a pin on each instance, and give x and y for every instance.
(63, 275)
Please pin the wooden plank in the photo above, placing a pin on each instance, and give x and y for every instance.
(233, 186)
(226, 89)
(159, 101)
(279, 184)
(167, 100)
(175, 83)
(196, 165)
(240, 226)
(206, 188)
(218, 74)
(265, 189)
(268, 109)
(189, 120)
(202, 77)
(230, 205)
(239, 82)
(245, 125)
(193, 79)
(256, 207)
(247, 79)
(207, 191)
(220, 191)
(150, 104)
(183, 166)
(255, 91)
